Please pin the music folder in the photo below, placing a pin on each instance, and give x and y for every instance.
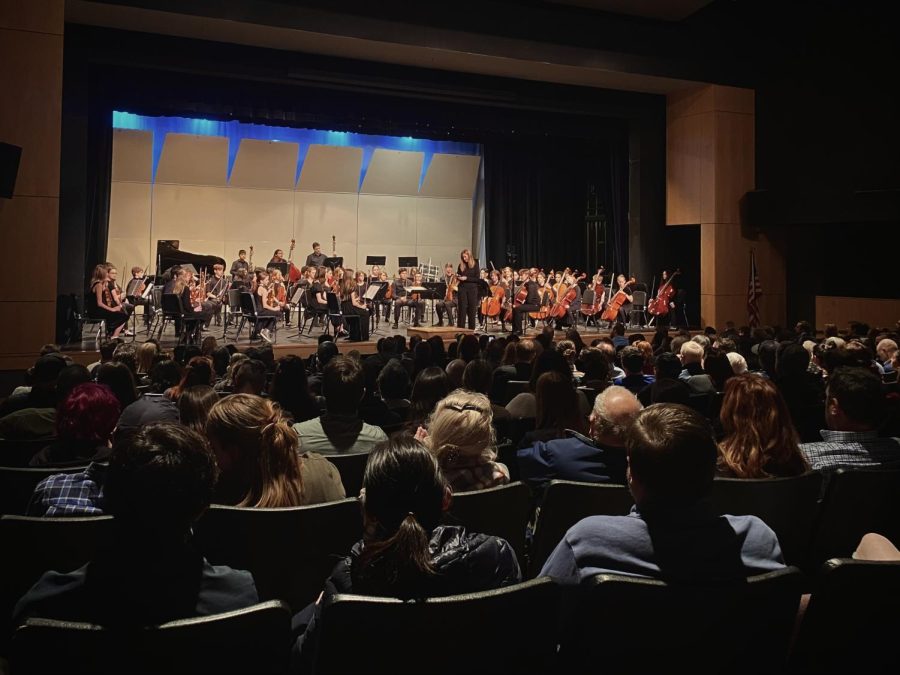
(376, 290)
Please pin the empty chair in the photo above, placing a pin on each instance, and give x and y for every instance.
(251, 640)
(351, 466)
(20, 452)
(788, 505)
(289, 551)
(508, 630)
(17, 485)
(852, 620)
(618, 624)
(567, 502)
(856, 501)
(501, 511)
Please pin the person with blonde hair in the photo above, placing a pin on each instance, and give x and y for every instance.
(461, 435)
(259, 460)
(146, 354)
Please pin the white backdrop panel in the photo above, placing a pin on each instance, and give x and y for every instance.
(384, 218)
(321, 215)
(188, 212)
(451, 176)
(129, 210)
(330, 168)
(265, 164)
(259, 214)
(193, 160)
(125, 253)
(132, 155)
(439, 254)
(393, 172)
(444, 222)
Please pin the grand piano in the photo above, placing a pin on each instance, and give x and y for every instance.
(168, 254)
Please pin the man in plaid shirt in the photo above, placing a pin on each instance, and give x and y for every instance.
(854, 410)
(70, 494)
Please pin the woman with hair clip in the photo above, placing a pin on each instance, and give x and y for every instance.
(405, 552)
(467, 294)
(102, 305)
(257, 453)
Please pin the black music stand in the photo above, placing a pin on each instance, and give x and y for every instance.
(437, 290)
(334, 262)
(408, 262)
(374, 294)
(379, 260)
(280, 266)
(484, 290)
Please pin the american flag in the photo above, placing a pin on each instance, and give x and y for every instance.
(754, 291)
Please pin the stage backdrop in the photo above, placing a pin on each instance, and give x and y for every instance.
(227, 185)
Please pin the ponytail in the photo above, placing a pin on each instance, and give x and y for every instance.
(399, 565)
(279, 465)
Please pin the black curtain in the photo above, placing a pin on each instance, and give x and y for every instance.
(98, 183)
(536, 199)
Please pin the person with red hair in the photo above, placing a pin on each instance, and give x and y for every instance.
(85, 421)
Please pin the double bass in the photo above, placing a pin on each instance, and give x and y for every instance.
(599, 290)
(659, 306)
(293, 275)
(611, 313)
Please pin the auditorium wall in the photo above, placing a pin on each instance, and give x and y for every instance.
(264, 203)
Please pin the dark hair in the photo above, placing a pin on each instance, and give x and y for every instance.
(632, 359)
(792, 361)
(547, 361)
(478, 376)
(326, 351)
(118, 377)
(766, 353)
(88, 413)
(573, 335)
(404, 493)
(430, 386)
(69, 378)
(199, 371)
(594, 364)
(126, 353)
(343, 385)
(194, 405)
(160, 479)
(107, 349)
(422, 357)
(250, 377)
(859, 394)
(668, 366)
(718, 367)
(672, 453)
(468, 348)
(438, 351)
(164, 375)
(220, 358)
(556, 404)
(290, 389)
(393, 380)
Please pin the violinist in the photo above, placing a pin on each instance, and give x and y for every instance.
(216, 289)
(352, 303)
(118, 295)
(240, 264)
(448, 303)
(402, 298)
(102, 305)
(279, 289)
(385, 301)
(135, 292)
(320, 286)
(467, 275)
(625, 310)
(572, 286)
(277, 257)
(268, 306)
(200, 310)
(532, 299)
(495, 279)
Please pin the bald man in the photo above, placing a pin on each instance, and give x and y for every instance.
(598, 459)
(886, 351)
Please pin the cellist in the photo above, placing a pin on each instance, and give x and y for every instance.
(532, 300)
(623, 286)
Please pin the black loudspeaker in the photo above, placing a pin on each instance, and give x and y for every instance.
(9, 168)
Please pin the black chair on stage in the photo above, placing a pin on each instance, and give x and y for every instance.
(638, 309)
(336, 316)
(310, 311)
(234, 311)
(250, 316)
(84, 318)
(173, 312)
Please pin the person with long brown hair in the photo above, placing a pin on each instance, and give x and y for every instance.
(557, 408)
(101, 304)
(760, 439)
(353, 305)
(194, 405)
(467, 292)
(199, 371)
(257, 453)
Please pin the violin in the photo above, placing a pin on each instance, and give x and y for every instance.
(611, 313)
(389, 294)
(659, 306)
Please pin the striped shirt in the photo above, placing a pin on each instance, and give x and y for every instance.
(851, 449)
(70, 494)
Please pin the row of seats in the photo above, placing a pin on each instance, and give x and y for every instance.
(612, 624)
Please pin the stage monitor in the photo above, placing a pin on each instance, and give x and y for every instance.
(9, 168)
(379, 260)
(408, 262)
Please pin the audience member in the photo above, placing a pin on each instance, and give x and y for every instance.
(738, 363)
(259, 459)
(668, 387)
(106, 353)
(525, 352)
(557, 410)
(430, 386)
(766, 351)
(692, 373)
(249, 378)
(194, 405)
(326, 351)
(718, 367)
(525, 404)
(159, 482)
(198, 372)
(460, 433)
(146, 357)
(34, 415)
(226, 384)
(85, 421)
(595, 368)
(164, 375)
(477, 378)
(120, 379)
(455, 370)
(760, 440)
(886, 349)
(672, 532)
(599, 458)
(394, 387)
(340, 430)
(854, 410)
(634, 379)
(290, 390)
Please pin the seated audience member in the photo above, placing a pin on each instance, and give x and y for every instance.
(290, 389)
(394, 387)
(146, 356)
(455, 370)
(461, 435)
(159, 482)
(634, 379)
(406, 552)
(668, 387)
(198, 372)
(606, 346)
(595, 368)
(164, 375)
(258, 456)
(326, 351)
(672, 532)
(525, 351)
(876, 547)
(106, 353)
(34, 414)
(692, 373)
(599, 458)
(250, 378)
(885, 350)
(718, 367)
(340, 430)
(194, 405)
(760, 440)
(226, 384)
(85, 421)
(854, 410)
(557, 410)
(549, 360)
(738, 363)
(430, 386)
(119, 378)
(478, 377)
(618, 336)
(766, 351)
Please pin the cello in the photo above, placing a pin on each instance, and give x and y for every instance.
(568, 295)
(611, 313)
(492, 304)
(659, 306)
(519, 299)
(599, 290)
(545, 292)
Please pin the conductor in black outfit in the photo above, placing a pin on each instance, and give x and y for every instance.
(467, 296)
(316, 258)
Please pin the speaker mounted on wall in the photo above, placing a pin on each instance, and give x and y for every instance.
(9, 168)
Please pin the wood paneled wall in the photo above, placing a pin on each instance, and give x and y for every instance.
(709, 168)
(877, 312)
(31, 54)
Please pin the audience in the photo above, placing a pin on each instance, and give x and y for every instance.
(525, 404)
(595, 368)
(119, 378)
(340, 430)
(557, 410)
(394, 387)
(250, 378)
(759, 438)
(692, 373)
(198, 372)
(430, 386)
(668, 387)
(194, 405)
(478, 377)
(461, 435)
(159, 482)
(33, 415)
(635, 379)
(455, 370)
(597, 459)
(525, 352)
(672, 532)
(290, 390)
(259, 460)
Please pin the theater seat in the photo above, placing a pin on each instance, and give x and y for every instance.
(501, 511)
(17, 485)
(351, 466)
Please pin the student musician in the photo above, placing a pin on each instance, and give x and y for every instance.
(316, 258)
(240, 264)
(277, 258)
(575, 306)
(102, 305)
(267, 306)
(532, 300)
(467, 274)
(625, 309)
(385, 302)
(217, 290)
(134, 292)
(402, 298)
(240, 281)
(320, 286)
(444, 305)
(352, 303)
(276, 283)
(199, 309)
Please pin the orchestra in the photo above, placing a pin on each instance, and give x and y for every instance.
(467, 294)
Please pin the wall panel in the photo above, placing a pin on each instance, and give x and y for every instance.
(263, 215)
(330, 168)
(393, 172)
(129, 210)
(188, 211)
(321, 215)
(385, 218)
(444, 222)
(265, 164)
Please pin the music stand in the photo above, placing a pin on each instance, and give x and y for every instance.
(409, 262)
(334, 262)
(484, 290)
(376, 291)
(436, 289)
(379, 260)
(280, 266)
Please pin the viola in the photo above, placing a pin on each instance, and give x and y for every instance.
(659, 306)
(452, 288)
(611, 313)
